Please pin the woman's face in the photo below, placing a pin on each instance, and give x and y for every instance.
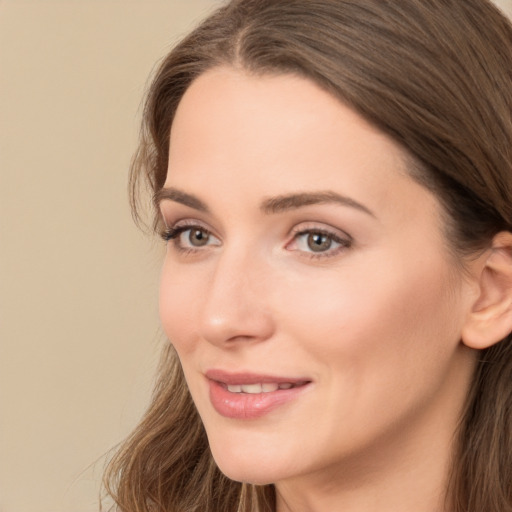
(307, 285)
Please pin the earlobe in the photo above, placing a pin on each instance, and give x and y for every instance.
(490, 319)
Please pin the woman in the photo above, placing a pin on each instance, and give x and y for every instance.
(333, 180)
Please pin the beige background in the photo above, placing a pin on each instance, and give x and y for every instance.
(79, 333)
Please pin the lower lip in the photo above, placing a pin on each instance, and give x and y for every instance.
(248, 406)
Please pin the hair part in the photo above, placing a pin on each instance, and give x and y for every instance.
(434, 75)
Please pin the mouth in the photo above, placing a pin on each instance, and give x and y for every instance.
(250, 396)
(263, 387)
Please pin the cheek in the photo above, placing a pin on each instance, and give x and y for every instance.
(371, 320)
(179, 300)
(380, 345)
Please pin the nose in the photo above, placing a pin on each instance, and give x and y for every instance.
(235, 308)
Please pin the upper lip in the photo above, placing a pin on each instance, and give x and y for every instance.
(251, 378)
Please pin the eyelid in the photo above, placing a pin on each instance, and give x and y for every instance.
(173, 214)
(320, 227)
(184, 224)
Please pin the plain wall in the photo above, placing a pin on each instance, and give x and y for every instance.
(79, 331)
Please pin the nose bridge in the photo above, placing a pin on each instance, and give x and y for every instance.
(234, 305)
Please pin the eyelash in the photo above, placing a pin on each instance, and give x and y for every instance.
(173, 234)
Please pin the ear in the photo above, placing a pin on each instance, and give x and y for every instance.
(490, 319)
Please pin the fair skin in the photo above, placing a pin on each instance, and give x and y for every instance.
(347, 289)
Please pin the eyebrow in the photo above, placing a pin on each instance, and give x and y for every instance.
(178, 196)
(271, 205)
(292, 201)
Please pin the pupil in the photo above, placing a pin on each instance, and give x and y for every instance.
(318, 242)
(198, 237)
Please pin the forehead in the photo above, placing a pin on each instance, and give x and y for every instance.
(269, 115)
(275, 134)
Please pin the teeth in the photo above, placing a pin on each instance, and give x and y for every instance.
(251, 388)
(267, 387)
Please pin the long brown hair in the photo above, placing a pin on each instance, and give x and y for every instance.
(436, 75)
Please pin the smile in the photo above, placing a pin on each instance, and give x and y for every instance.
(251, 396)
(261, 388)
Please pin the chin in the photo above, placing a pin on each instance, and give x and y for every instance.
(247, 467)
(246, 474)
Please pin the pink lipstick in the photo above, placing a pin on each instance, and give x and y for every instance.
(250, 396)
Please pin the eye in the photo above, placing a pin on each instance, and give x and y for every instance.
(187, 237)
(319, 242)
(195, 237)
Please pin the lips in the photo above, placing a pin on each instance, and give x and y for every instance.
(250, 396)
